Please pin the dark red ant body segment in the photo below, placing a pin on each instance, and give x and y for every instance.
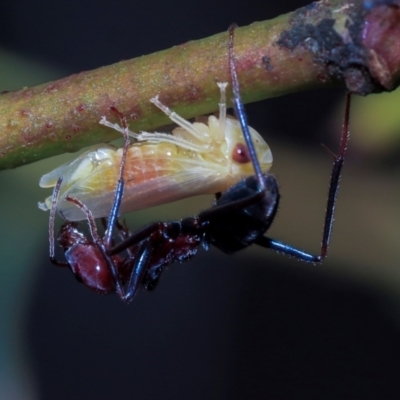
(85, 259)
(239, 218)
(88, 259)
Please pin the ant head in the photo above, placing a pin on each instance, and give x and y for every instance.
(90, 267)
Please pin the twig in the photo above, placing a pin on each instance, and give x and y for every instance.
(324, 44)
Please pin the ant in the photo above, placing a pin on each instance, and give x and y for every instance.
(239, 218)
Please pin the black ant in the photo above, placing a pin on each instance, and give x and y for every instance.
(239, 218)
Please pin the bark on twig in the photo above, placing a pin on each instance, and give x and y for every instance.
(326, 43)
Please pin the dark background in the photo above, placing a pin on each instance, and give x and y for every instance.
(248, 326)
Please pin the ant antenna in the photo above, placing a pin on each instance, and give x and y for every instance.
(119, 191)
(240, 113)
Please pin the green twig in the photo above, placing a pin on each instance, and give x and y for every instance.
(323, 44)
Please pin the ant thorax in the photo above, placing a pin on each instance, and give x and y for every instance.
(203, 157)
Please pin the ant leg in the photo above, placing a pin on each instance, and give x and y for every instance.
(136, 237)
(226, 208)
(141, 263)
(330, 207)
(240, 113)
(52, 218)
(286, 249)
(140, 258)
(241, 116)
(335, 178)
(123, 230)
(119, 191)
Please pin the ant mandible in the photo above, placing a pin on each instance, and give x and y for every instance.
(239, 218)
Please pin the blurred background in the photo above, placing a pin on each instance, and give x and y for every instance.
(249, 326)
